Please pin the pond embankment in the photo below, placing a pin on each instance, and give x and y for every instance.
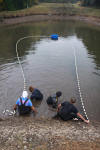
(38, 18)
(48, 134)
(51, 11)
(42, 133)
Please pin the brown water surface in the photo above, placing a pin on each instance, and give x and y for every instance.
(49, 65)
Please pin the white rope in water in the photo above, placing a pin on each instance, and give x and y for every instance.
(78, 81)
(78, 84)
(18, 55)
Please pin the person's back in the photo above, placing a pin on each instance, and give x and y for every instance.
(36, 94)
(24, 104)
(67, 110)
(53, 99)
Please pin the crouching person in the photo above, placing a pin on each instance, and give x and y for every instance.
(24, 104)
(67, 111)
(53, 99)
(35, 94)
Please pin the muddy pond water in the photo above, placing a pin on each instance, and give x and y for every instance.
(50, 65)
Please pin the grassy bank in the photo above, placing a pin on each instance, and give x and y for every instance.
(51, 9)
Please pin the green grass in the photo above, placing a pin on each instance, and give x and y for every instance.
(53, 8)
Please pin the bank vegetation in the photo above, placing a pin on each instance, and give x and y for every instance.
(68, 9)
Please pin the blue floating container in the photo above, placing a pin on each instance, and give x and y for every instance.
(54, 36)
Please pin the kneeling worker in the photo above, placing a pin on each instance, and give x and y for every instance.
(36, 94)
(67, 111)
(24, 104)
(53, 99)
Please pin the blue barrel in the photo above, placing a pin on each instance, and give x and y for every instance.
(54, 36)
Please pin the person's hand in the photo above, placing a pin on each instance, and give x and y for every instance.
(36, 111)
(86, 121)
(58, 107)
(14, 112)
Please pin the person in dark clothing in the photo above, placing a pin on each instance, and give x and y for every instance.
(67, 111)
(36, 94)
(53, 99)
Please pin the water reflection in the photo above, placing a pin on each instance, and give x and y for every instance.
(49, 65)
(98, 74)
(91, 39)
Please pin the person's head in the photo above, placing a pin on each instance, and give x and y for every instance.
(25, 94)
(58, 94)
(31, 89)
(73, 100)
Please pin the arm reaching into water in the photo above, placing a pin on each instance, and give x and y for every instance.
(33, 109)
(15, 107)
(59, 106)
(80, 116)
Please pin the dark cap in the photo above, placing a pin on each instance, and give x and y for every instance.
(58, 94)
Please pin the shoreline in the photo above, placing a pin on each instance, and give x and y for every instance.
(48, 134)
(26, 133)
(49, 17)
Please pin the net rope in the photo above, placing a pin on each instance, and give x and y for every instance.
(78, 85)
(19, 40)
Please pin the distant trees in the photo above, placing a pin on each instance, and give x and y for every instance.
(16, 4)
(20, 4)
(91, 2)
(58, 1)
(1, 5)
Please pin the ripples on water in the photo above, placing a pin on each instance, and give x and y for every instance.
(49, 65)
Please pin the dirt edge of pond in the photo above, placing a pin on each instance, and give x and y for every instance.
(38, 18)
(48, 134)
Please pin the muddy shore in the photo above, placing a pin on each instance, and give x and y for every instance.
(18, 133)
(48, 134)
(48, 17)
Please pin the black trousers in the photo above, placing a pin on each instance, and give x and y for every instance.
(67, 117)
